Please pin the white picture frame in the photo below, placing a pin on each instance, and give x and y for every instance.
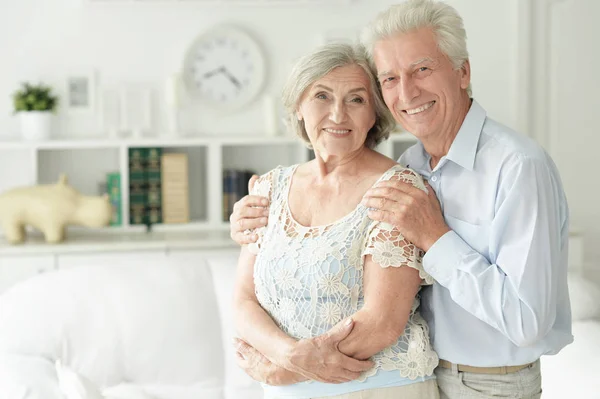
(80, 91)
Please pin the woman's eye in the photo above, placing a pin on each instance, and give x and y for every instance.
(358, 100)
(321, 96)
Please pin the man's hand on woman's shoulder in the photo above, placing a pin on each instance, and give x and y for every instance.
(249, 213)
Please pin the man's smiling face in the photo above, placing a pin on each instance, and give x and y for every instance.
(419, 83)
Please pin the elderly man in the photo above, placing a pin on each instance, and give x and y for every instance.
(494, 225)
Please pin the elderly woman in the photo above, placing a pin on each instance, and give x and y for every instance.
(326, 294)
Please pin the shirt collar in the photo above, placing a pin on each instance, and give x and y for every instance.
(464, 147)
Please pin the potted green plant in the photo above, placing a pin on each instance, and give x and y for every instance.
(35, 104)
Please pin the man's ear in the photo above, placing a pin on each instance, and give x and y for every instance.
(465, 75)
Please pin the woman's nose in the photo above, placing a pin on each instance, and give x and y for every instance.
(337, 113)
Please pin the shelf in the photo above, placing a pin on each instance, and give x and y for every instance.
(159, 228)
(86, 162)
(90, 242)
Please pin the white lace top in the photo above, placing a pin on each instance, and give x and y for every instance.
(310, 278)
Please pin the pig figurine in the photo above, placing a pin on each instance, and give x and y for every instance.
(50, 208)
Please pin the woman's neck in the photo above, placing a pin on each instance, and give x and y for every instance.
(328, 166)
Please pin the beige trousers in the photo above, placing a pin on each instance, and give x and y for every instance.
(420, 390)
(522, 384)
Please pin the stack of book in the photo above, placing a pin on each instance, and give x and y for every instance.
(235, 186)
(145, 186)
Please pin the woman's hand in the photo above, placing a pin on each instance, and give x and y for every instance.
(260, 368)
(248, 214)
(319, 358)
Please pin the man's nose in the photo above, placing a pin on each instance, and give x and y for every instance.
(408, 90)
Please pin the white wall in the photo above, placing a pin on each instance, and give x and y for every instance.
(144, 43)
(573, 104)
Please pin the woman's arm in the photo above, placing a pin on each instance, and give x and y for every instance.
(389, 295)
(254, 325)
(317, 358)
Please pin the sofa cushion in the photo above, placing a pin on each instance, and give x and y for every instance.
(28, 377)
(138, 323)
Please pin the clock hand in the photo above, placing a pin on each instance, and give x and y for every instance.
(213, 72)
(232, 78)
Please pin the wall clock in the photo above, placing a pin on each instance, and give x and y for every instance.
(225, 68)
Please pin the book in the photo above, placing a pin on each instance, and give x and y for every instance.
(137, 185)
(175, 188)
(144, 186)
(113, 189)
(153, 186)
(235, 187)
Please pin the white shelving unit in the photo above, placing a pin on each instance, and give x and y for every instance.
(87, 161)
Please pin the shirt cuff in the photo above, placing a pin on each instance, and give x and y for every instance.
(444, 256)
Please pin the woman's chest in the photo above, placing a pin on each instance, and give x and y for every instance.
(311, 206)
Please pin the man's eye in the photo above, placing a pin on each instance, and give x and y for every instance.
(387, 80)
(423, 69)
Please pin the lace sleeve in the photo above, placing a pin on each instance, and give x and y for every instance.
(263, 187)
(387, 245)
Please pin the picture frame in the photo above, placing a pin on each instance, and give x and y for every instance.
(80, 91)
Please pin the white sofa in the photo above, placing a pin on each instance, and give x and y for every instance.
(149, 330)
(141, 330)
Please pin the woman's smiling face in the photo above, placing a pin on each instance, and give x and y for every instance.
(338, 111)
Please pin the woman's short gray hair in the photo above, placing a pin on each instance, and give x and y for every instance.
(319, 63)
(411, 15)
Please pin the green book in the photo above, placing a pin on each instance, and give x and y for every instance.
(137, 185)
(153, 186)
(113, 188)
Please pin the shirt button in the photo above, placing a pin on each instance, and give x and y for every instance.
(433, 178)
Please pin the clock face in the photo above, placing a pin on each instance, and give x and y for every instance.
(225, 68)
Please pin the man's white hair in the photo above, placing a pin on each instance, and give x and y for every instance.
(411, 15)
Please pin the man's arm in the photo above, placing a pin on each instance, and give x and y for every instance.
(514, 291)
(316, 358)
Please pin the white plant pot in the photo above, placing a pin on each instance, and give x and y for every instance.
(36, 125)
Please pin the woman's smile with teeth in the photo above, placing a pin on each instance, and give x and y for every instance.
(337, 131)
(419, 109)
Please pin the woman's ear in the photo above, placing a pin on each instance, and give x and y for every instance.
(299, 115)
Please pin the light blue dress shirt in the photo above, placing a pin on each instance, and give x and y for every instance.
(500, 296)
